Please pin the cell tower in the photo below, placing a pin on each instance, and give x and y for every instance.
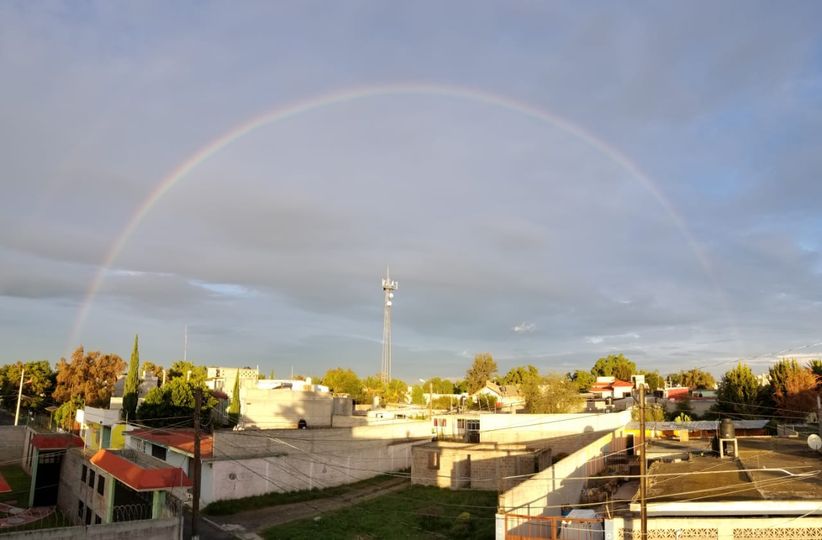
(388, 288)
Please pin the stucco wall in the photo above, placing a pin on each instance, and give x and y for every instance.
(283, 408)
(72, 489)
(546, 492)
(739, 528)
(348, 461)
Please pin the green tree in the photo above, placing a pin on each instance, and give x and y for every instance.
(132, 384)
(439, 386)
(234, 407)
(480, 372)
(89, 377)
(396, 391)
(614, 365)
(815, 367)
(653, 379)
(372, 386)
(343, 381)
(653, 413)
(583, 379)
(187, 371)
(38, 383)
(696, 379)
(738, 391)
(173, 403)
(417, 395)
(520, 375)
(552, 394)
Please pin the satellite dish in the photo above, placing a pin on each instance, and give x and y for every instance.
(815, 442)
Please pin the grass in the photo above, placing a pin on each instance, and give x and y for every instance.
(222, 508)
(19, 482)
(415, 512)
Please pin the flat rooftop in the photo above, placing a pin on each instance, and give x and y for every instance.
(771, 475)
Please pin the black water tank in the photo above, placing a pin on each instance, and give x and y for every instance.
(726, 429)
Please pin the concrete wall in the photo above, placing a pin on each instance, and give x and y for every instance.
(12, 442)
(739, 528)
(349, 461)
(475, 466)
(283, 408)
(547, 491)
(72, 489)
(155, 529)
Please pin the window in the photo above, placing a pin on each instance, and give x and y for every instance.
(80, 509)
(158, 451)
(460, 423)
(97, 519)
(83, 474)
(433, 460)
(88, 515)
(101, 484)
(91, 478)
(472, 425)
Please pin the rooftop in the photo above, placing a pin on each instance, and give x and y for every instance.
(140, 472)
(56, 441)
(770, 476)
(179, 439)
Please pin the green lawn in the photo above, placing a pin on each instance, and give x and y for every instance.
(232, 506)
(414, 512)
(19, 482)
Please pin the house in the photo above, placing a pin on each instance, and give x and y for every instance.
(224, 378)
(148, 382)
(611, 387)
(284, 406)
(109, 486)
(506, 396)
(101, 428)
(43, 458)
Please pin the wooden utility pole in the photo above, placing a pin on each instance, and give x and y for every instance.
(819, 415)
(643, 477)
(19, 396)
(195, 499)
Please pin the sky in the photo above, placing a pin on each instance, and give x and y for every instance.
(550, 182)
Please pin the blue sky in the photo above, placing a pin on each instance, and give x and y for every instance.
(638, 178)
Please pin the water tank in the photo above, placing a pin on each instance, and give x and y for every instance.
(726, 429)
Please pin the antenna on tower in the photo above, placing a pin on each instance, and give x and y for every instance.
(388, 287)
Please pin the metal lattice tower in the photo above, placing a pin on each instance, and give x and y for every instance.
(388, 288)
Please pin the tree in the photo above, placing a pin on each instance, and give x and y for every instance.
(188, 372)
(396, 391)
(696, 379)
(417, 395)
(372, 386)
(131, 387)
(653, 413)
(793, 388)
(583, 379)
(155, 369)
(815, 367)
(90, 377)
(520, 375)
(653, 379)
(551, 394)
(738, 391)
(439, 386)
(482, 370)
(38, 383)
(614, 365)
(173, 402)
(343, 381)
(234, 407)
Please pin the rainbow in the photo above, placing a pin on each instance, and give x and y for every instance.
(291, 110)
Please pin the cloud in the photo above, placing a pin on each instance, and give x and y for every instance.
(524, 328)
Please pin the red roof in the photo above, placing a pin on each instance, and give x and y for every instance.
(621, 383)
(4, 486)
(59, 441)
(181, 439)
(139, 478)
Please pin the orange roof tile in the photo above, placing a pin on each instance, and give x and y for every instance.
(181, 439)
(137, 477)
(59, 441)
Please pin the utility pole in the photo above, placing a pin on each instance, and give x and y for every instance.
(195, 499)
(819, 414)
(643, 477)
(19, 396)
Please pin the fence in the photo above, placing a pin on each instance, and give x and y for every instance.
(522, 527)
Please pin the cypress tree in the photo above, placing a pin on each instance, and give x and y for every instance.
(234, 407)
(132, 384)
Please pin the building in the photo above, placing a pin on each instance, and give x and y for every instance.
(224, 378)
(109, 486)
(101, 428)
(611, 387)
(507, 397)
(43, 459)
